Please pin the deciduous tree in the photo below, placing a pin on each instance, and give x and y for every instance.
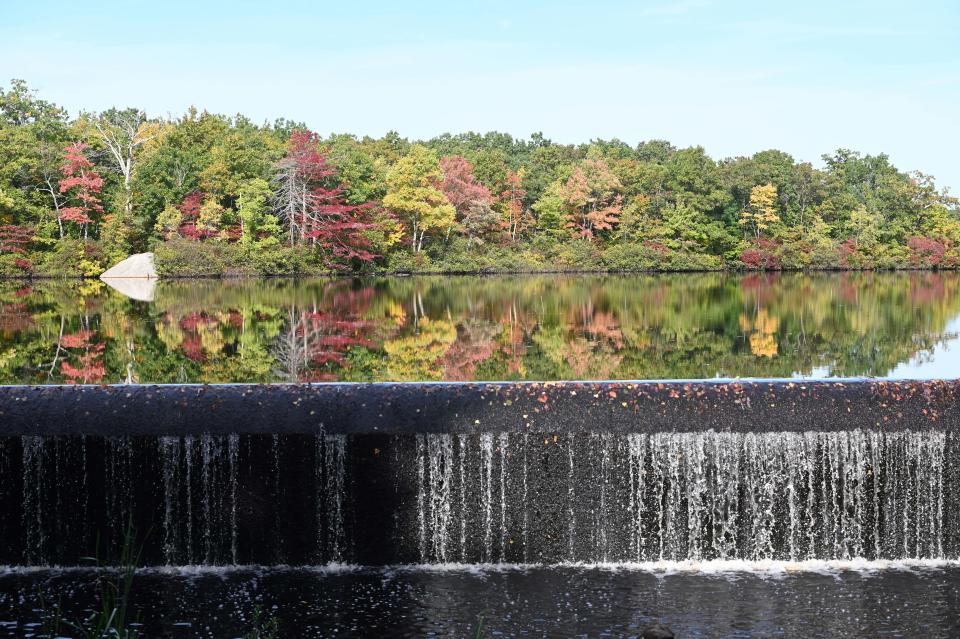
(310, 199)
(413, 195)
(471, 199)
(761, 213)
(592, 199)
(83, 185)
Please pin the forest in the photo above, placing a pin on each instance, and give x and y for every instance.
(225, 196)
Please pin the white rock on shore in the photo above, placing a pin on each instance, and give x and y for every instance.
(139, 265)
(135, 277)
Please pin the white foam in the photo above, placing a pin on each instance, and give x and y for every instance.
(712, 567)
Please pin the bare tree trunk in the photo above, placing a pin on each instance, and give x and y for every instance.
(122, 134)
(56, 202)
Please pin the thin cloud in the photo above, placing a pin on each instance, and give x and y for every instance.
(676, 8)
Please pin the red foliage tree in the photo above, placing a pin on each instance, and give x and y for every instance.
(15, 239)
(516, 218)
(189, 209)
(83, 183)
(471, 199)
(761, 256)
(310, 200)
(847, 251)
(926, 251)
(459, 184)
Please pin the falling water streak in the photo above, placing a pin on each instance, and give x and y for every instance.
(502, 444)
(170, 459)
(440, 450)
(208, 455)
(188, 458)
(277, 493)
(793, 450)
(636, 445)
(335, 472)
(526, 506)
(463, 441)
(876, 454)
(810, 451)
(668, 496)
(319, 484)
(696, 493)
(941, 460)
(422, 495)
(234, 457)
(33, 485)
(486, 492)
(571, 500)
(599, 441)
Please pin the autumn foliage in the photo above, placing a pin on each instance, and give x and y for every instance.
(82, 184)
(926, 251)
(84, 361)
(310, 198)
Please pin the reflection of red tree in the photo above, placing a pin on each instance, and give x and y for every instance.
(926, 290)
(598, 339)
(475, 344)
(191, 322)
(847, 290)
(586, 360)
(317, 340)
(192, 345)
(761, 289)
(597, 326)
(88, 366)
(193, 349)
(518, 327)
(15, 317)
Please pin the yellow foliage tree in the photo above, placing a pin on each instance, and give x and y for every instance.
(761, 214)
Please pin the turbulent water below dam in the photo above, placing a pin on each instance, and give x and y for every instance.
(486, 498)
(839, 599)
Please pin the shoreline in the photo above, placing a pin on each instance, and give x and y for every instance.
(367, 274)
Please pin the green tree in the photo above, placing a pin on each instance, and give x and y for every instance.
(412, 194)
(257, 225)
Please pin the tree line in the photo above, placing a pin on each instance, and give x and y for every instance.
(211, 194)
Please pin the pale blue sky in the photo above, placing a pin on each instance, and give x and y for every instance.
(734, 76)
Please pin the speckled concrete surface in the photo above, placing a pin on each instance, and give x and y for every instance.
(617, 406)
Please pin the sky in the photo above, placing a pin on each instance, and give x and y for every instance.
(734, 76)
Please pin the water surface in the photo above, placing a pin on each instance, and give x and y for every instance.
(566, 601)
(552, 327)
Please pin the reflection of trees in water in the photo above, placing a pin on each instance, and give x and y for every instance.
(316, 340)
(475, 343)
(461, 328)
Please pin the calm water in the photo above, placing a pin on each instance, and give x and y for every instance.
(490, 328)
(509, 602)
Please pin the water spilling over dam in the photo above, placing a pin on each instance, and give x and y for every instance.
(436, 501)
(483, 498)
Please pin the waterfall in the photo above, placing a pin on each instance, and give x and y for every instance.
(697, 496)
(330, 486)
(199, 505)
(484, 497)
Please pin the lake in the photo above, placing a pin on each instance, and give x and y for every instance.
(532, 327)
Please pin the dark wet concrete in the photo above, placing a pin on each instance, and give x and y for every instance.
(621, 406)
